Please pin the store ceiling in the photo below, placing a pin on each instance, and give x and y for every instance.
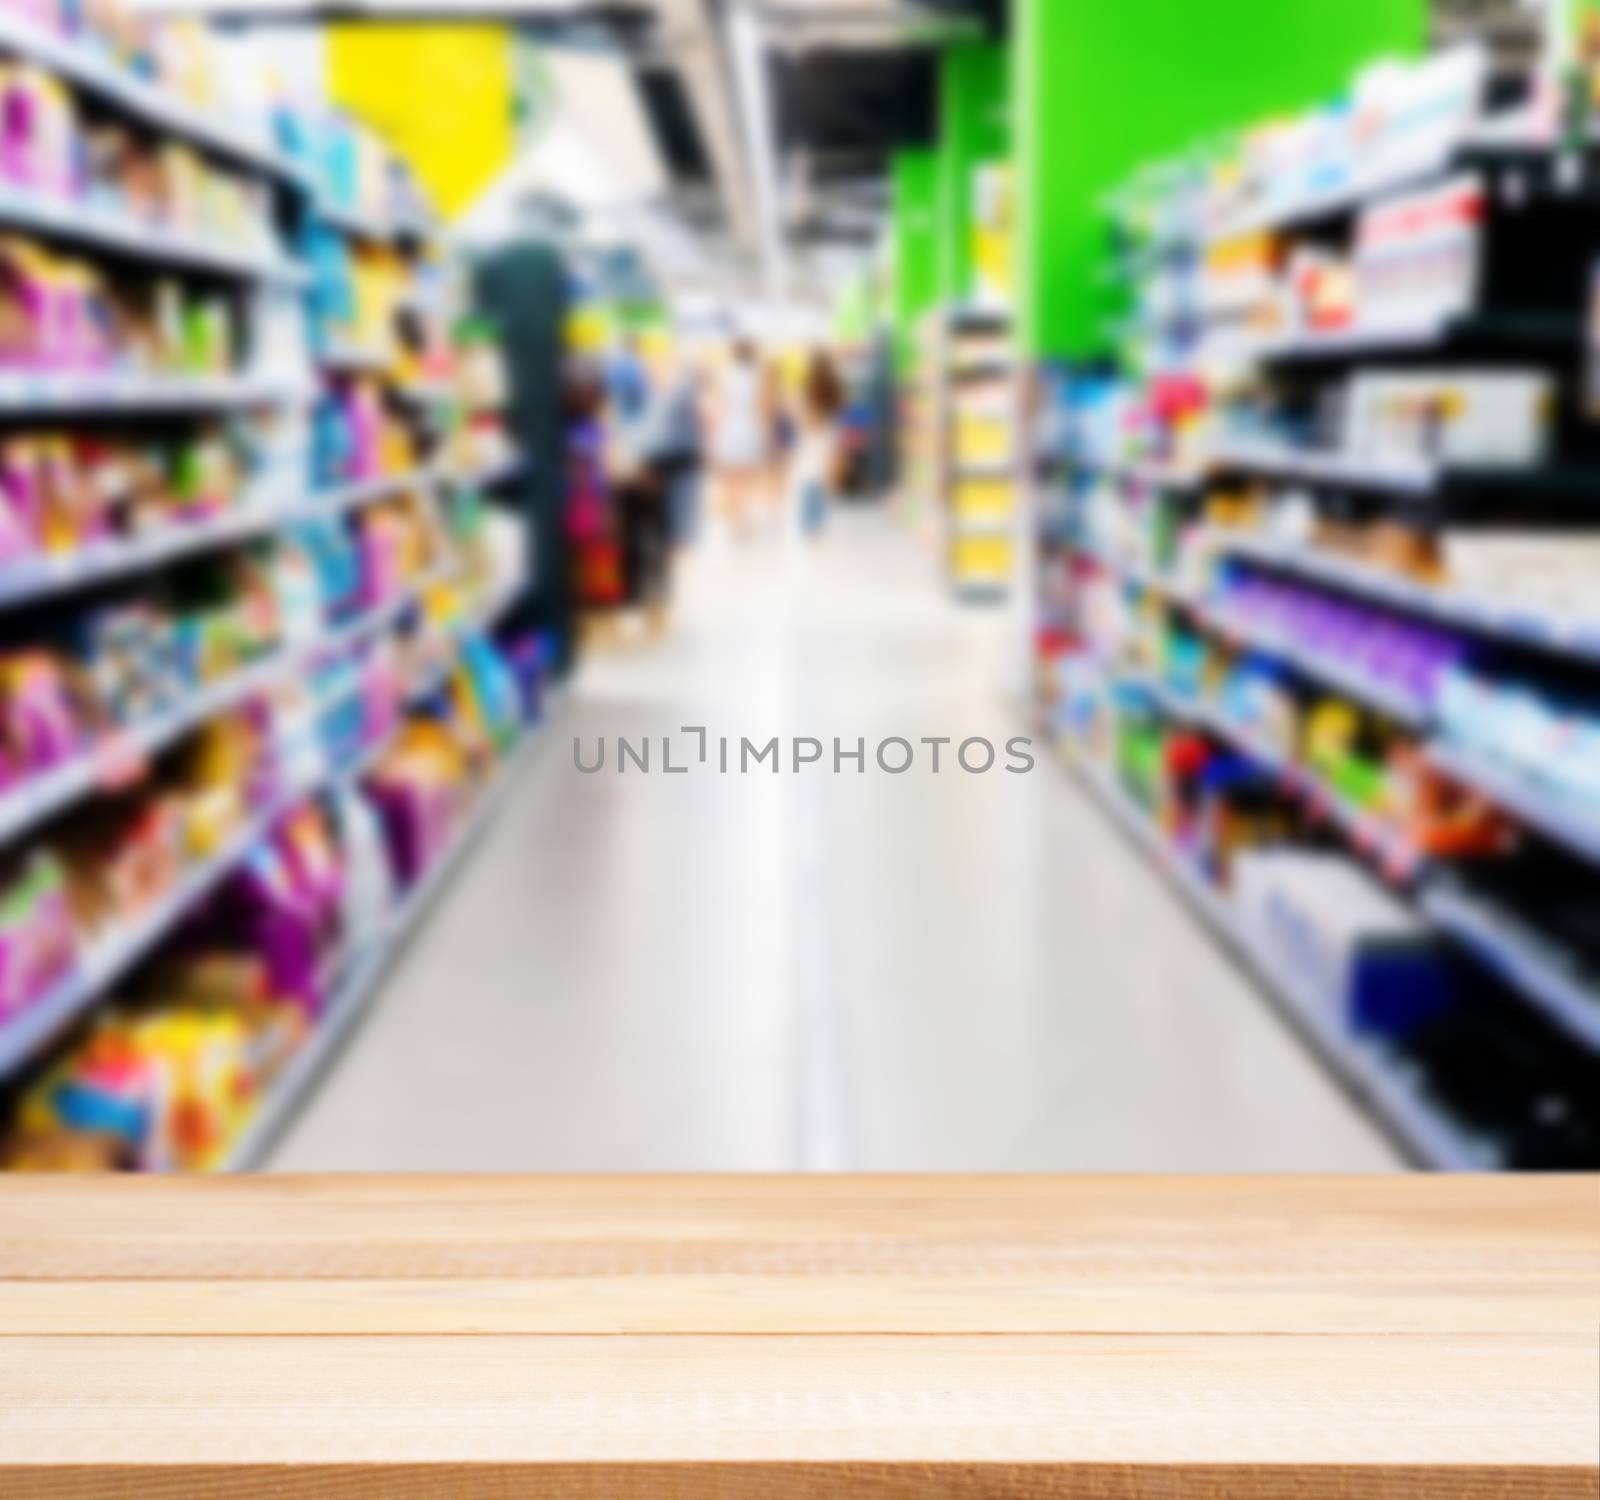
(774, 120)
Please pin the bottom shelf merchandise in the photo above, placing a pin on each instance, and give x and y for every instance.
(1452, 1058)
(206, 1043)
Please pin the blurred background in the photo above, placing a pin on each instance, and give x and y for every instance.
(747, 584)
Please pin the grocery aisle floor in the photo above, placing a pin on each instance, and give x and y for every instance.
(848, 972)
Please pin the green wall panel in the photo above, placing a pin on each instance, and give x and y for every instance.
(1103, 86)
(974, 128)
(915, 227)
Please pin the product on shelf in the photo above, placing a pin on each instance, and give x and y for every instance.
(357, 435)
(1550, 737)
(37, 943)
(64, 491)
(1418, 258)
(1393, 651)
(59, 313)
(1363, 957)
(1499, 417)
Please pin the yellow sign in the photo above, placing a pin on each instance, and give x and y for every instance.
(440, 93)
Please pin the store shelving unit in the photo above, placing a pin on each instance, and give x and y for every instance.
(975, 419)
(1541, 206)
(42, 577)
(1422, 1130)
(51, 580)
(50, 394)
(361, 976)
(80, 64)
(95, 229)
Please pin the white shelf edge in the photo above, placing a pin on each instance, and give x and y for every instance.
(1442, 605)
(1354, 684)
(1515, 792)
(84, 224)
(51, 392)
(36, 578)
(1565, 998)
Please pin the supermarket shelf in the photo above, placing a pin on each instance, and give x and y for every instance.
(45, 392)
(426, 392)
(80, 65)
(355, 359)
(380, 229)
(1531, 964)
(42, 796)
(1336, 673)
(22, 1037)
(1149, 472)
(1505, 140)
(1307, 208)
(1395, 855)
(44, 577)
(84, 224)
(289, 1091)
(1570, 635)
(1415, 478)
(492, 474)
(1437, 333)
(1401, 477)
(1425, 1132)
(1576, 829)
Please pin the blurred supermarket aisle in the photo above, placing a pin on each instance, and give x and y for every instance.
(652, 972)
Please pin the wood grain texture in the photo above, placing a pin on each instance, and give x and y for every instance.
(800, 1337)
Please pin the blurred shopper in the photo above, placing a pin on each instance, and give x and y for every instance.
(641, 504)
(672, 447)
(743, 434)
(593, 551)
(813, 470)
(627, 384)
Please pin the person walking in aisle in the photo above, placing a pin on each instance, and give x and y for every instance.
(742, 427)
(671, 444)
(813, 469)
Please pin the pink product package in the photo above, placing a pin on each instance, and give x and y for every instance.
(37, 944)
(417, 823)
(19, 509)
(382, 696)
(39, 724)
(382, 576)
(364, 414)
(37, 137)
(25, 299)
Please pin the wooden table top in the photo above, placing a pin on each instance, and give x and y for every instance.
(1421, 1337)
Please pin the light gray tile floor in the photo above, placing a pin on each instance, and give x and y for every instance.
(852, 972)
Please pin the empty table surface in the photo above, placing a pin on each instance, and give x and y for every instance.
(800, 1336)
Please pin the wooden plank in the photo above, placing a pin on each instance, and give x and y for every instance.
(812, 1481)
(800, 1337)
(1498, 1402)
(408, 1227)
(1389, 1299)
